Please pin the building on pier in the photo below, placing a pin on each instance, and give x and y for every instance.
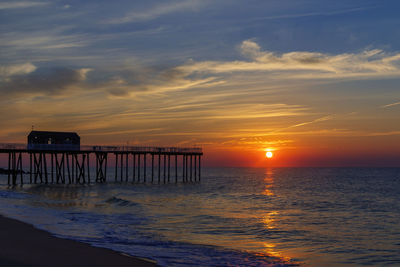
(45, 140)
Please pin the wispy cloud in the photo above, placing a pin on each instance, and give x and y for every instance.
(388, 133)
(391, 105)
(261, 142)
(43, 40)
(313, 14)
(303, 65)
(325, 118)
(321, 119)
(333, 132)
(258, 111)
(283, 67)
(21, 4)
(158, 10)
(16, 69)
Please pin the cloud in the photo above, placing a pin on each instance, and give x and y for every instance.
(259, 63)
(17, 69)
(389, 133)
(127, 81)
(40, 41)
(303, 64)
(21, 4)
(119, 92)
(43, 81)
(43, 40)
(321, 119)
(159, 10)
(391, 105)
(312, 14)
(287, 66)
(257, 111)
(261, 141)
(134, 80)
(325, 118)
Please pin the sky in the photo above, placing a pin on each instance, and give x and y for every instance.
(314, 81)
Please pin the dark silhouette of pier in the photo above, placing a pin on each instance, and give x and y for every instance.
(58, 164)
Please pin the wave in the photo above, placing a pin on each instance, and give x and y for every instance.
(121, 202)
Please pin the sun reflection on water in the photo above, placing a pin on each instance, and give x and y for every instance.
(269, 182)
(270, 218)
(270, 250)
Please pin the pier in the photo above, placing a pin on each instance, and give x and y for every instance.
(58, 164)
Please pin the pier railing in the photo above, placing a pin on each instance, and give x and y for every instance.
(102, 148)
(144, 149)
(12, 146)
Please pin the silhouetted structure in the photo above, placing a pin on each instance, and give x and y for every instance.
(44, 140)
(58, 157)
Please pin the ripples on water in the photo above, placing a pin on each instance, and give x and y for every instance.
(235, 216)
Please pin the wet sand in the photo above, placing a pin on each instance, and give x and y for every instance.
(23, 245)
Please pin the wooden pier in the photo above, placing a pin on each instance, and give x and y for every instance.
(56, 165)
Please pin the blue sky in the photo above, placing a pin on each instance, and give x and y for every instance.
(172, 32)
(289, 75)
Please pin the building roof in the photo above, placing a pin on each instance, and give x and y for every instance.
(49, 133)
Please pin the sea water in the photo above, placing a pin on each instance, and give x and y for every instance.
(233, 217)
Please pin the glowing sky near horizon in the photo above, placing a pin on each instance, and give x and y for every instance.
(315, 81)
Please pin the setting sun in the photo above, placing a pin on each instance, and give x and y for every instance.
(269, 154)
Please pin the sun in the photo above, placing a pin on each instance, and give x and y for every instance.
(269, 154)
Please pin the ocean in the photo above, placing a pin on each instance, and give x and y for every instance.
(233, 217)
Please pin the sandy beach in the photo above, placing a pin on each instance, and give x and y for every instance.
(24, 245)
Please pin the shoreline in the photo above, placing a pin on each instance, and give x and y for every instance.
(22, 244)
